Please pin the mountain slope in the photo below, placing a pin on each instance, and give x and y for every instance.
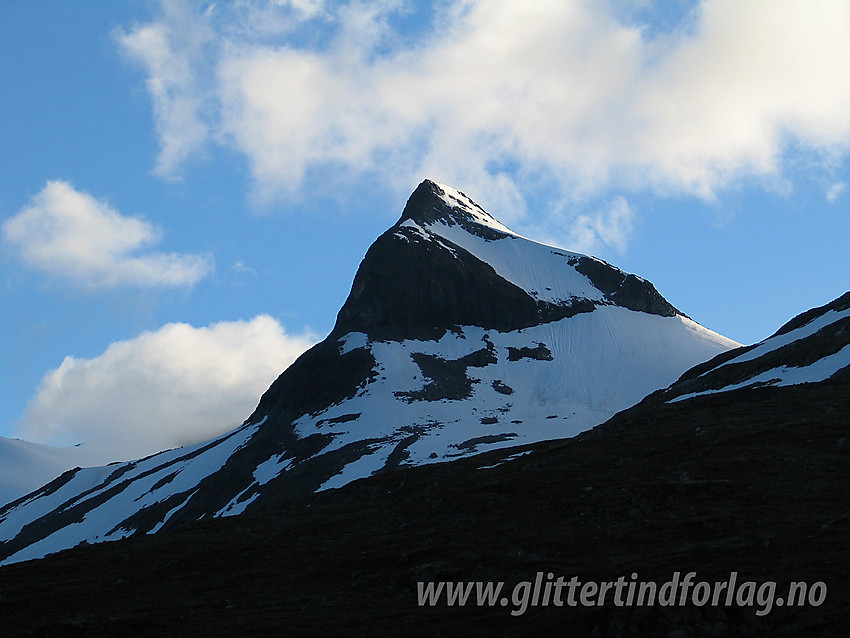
(751, 481)
(813, 347)
(25, 466)
(458, 336)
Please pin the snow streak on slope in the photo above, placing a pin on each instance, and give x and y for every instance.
(456, 199)
(98, 501)
(811, 348)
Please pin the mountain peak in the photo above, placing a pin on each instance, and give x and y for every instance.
(447, 262)
(432, 203)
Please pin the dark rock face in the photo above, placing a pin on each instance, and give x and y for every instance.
(320, 377)
(502, 388)
(409, 287)
(540, 353)
(624, 289)
(447, 378)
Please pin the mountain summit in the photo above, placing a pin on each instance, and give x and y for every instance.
(447, 263)
(458, 336)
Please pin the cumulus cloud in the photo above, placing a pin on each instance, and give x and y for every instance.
(174, 386)
(497, 96)
(70, 234)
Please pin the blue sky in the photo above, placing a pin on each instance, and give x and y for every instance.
(187, 188)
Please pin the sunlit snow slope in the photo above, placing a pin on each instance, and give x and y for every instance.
(458, 336)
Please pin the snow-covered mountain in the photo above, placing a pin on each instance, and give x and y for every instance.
(813, 347)
(458, 336)
(25, 466)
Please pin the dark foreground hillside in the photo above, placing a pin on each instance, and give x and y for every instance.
(754, 481)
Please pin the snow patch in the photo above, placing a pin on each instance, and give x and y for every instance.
(780, 341)
(366, 465)
(271, 468)
(352, 341)
(454, 197)
(818, 371)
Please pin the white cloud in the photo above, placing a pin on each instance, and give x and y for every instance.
(609, 228)
(68, 233)
(171, 51)
(571, 93)
(240, 267)
(835, 191)
(174, 386)
(309, 8)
